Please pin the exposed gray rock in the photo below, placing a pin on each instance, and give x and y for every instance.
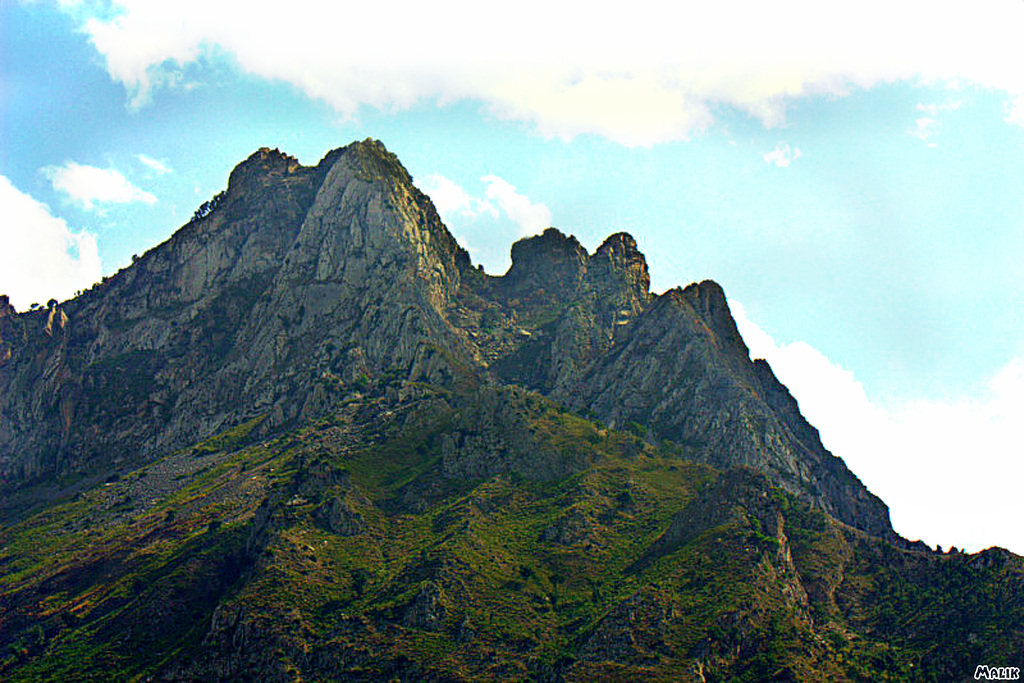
(338, 517)
(250, 309)
(682, 370)
(299, 286)
(493, 438)
(427, 610)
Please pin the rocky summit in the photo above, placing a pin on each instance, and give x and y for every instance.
(306, 439)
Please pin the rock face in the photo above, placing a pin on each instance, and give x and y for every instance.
(310, 442)
(299, 284)
(683, 372)
(256, 308)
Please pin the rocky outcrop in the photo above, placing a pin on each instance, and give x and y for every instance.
(299, 285)
(574, 304)
(6, 309)
(493, 437)
(545, 268)
(7, 312)
(682, 370)
(255, 305)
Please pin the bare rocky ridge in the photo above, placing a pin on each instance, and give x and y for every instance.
(305, 439)
(684, 372)
(297, 277)
(299, 283)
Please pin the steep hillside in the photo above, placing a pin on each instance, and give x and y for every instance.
(309, 440)
(297, 279)
(491, 535)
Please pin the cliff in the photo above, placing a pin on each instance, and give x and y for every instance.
(312, 442)
(299, 280)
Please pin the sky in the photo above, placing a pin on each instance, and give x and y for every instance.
(851, 173)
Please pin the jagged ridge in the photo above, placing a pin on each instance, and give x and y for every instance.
(302, 280)
(381, 498)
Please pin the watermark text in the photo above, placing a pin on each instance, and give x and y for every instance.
(984, 672)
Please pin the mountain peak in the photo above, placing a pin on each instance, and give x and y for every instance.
(549, 265)
(618, 242)
(268, 165)
(708, 300)
(618, 271)
(367, 217)
(551, 247)
(299, 278)
(377, 162)
(263, 166)
(315, 442)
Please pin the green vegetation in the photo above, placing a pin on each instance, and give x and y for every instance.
(231, 438)
(346, 549)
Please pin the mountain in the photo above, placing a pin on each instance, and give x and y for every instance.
(243, 312)
(310, 440)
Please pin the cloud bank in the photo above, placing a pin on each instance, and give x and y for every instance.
(949, 469)
(41, 257)
(89, 185)
(635, 75)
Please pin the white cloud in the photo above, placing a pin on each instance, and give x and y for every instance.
(451, 200)
(782, 156)
(934, 109)
(1015, 111)
(41, 257)
(925, 126)
(530, 217)
(156, 165)
(89, 185)
(485, 221)
(950, 470)
(501, 199)
(632, 76)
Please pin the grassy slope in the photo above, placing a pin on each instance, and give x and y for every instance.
(637, 564)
